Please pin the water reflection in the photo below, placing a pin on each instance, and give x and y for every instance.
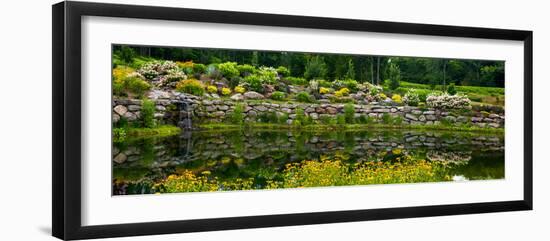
(263, 155)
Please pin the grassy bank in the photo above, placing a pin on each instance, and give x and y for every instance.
(121, 134)
(375, 126)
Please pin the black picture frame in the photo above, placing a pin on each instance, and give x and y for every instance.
(66, 169)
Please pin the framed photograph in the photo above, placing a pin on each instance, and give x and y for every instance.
(169, 120)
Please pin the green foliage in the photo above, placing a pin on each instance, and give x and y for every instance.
(297, 80)
(268, 75)
(350, 84)
(350, 74)
(190, 86)
(324, 83)
(315, 68)
(387, 119)
(269, 117)
(199, 68)
(213, 72)
(148, 113)
(283, 71)
(451, 89)
(300, 116)
(283, 118)
(246, 69)
(229, 69)
(119, 134)
(349, 113)
(131, 86)
(395, 76)
(341, 119)
(278, 95)
(237, 115)
(411, 98)
(304, 97)
(127, 54)
(254, 83)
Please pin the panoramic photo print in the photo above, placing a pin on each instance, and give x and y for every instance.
(188, 119)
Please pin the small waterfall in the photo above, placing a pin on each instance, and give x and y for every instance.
(185, 113)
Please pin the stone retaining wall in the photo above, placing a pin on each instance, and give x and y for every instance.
(173, 108)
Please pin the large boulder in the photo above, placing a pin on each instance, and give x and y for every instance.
(253, 95)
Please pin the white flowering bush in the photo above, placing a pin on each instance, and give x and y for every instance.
(446, 101)
(174, 75)
(153, 69)
(411, 98)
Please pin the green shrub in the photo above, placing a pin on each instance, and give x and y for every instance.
(395, 76)
(278, 95)
(283, 118)
(349, 84)
(237, 116)
(213, 72)
(304, 97)
(269, 117)
(362, 119)
(190, 86)
(268, 75)
(119, 134)
(300, 115)
(297, 81)
(341, 119)
(398, 120)
(254, 83)
(199, 68)
(325, 119)
(411, 98)
(229, 69)
(148, 113)
(246, 69)
(349, 113)
(451, 89)
(131, 86)
(283, 71)
(324, 83)
(387, 119)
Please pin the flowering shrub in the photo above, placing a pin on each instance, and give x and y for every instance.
(446, 101)
(190, 86)
(153, 69)
(411, 98)
(324, 90)
(396, 98)
(278, 95)
(382, 96)
(226, 91)
(240, 89)
(342, 92)
(175, 75)
(212, 89)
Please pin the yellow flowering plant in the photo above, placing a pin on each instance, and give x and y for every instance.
(212, 89)
(226, 91)
(240, 89)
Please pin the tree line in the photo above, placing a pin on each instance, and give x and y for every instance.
(363, 68)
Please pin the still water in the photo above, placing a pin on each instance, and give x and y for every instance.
(260, 159)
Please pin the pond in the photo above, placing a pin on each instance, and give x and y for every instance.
(262, 159)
